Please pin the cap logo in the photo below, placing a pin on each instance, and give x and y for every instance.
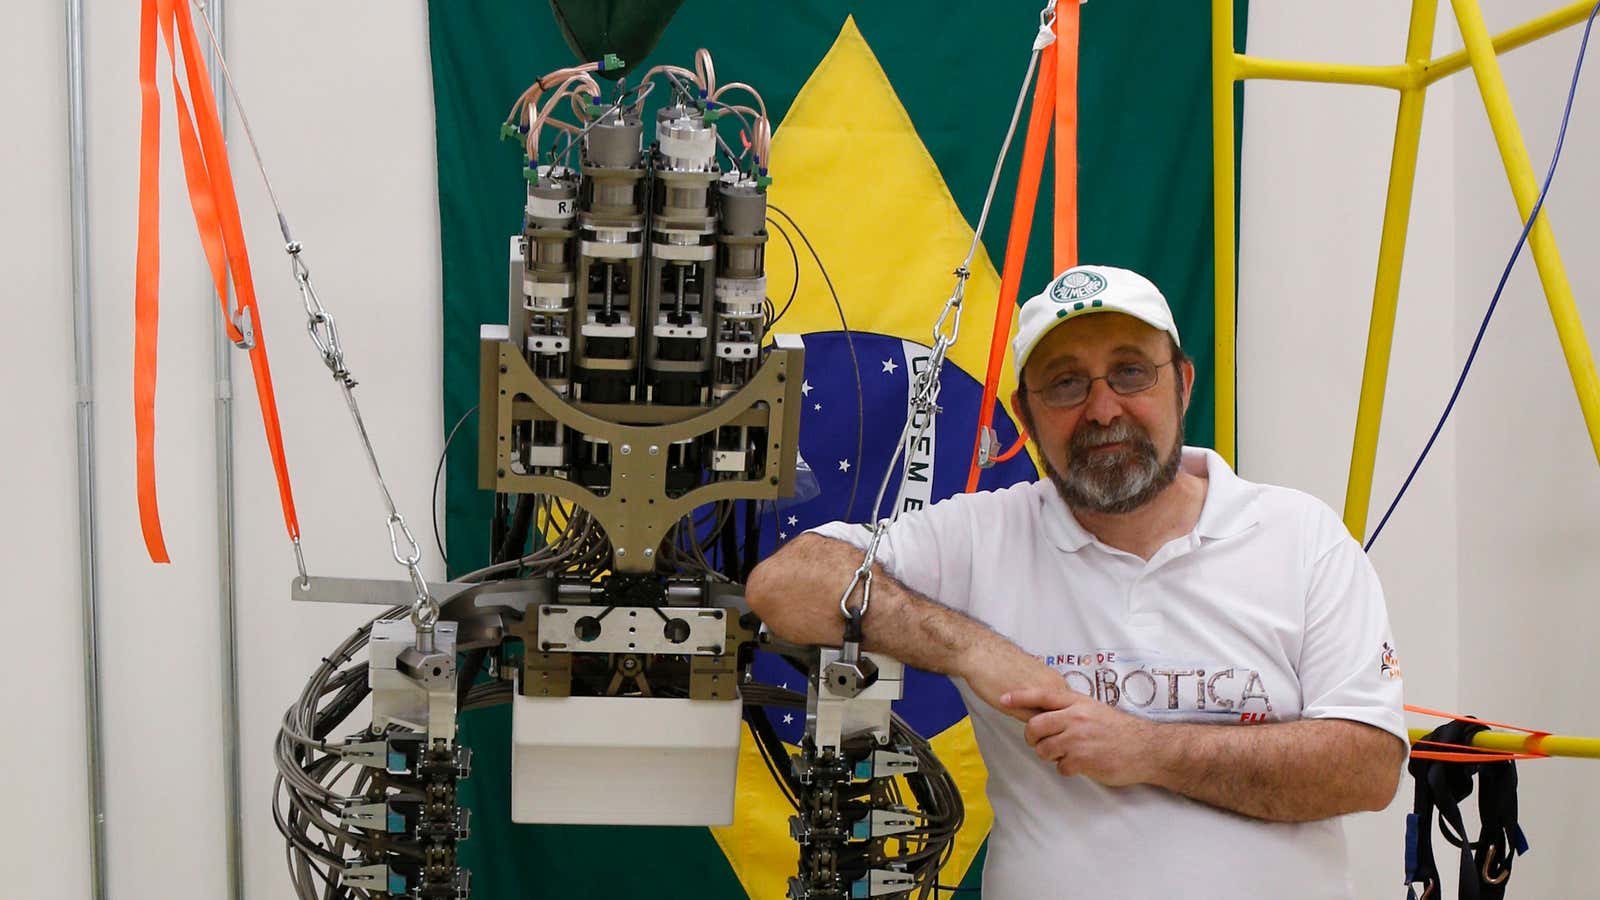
(1077, 285)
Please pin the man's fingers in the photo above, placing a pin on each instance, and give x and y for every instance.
(1040, 727)
(1041, 698)
(1054, 748)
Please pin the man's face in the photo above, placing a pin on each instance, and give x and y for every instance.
(1112, 453)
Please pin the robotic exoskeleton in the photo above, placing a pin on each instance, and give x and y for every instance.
(636, 425)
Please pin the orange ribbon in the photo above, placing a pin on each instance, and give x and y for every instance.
(216, 214)
(1449, 752)
(1047, 98)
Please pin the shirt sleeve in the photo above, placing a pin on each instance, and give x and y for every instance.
(1349, 667)
(928, 551)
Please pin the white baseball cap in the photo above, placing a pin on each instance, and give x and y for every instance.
(1082, 290)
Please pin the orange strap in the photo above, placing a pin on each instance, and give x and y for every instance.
(146, 302)
(1066, 218)
(1027, 196)
(216, 213)
(1448, 752)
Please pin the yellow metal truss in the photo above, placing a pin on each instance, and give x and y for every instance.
(1411, 78)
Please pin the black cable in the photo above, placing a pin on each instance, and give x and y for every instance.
(771, 747)
(794, 255)
(516, 536)
(728, 548)
(752, 540)
(855, 362)
(469, 673)
(438, 471)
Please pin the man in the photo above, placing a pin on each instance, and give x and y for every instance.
(1176, 677)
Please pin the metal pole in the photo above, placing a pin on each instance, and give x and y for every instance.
(1549, 745)
(227, 596)
(1525, 188)
(1391, 255)
(83, 358)
(1223, 225)
(1512, 38)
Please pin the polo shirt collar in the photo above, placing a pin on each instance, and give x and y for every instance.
(1230, 506)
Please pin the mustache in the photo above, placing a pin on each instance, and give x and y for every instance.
(1120, 431)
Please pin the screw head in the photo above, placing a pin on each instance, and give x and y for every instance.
(621, 552)
(625, 449)
(648, 552)
(654, 450)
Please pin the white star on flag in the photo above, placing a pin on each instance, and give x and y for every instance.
(805, 388)
(817, 407)
(889, 367)
(783, 535)
(788, 719)
(794, 520)
(844, 465)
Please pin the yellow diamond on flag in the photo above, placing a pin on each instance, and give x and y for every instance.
(849, 168)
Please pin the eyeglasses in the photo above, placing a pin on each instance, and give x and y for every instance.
(1125, 378)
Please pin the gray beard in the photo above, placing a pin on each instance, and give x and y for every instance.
(1120, 481)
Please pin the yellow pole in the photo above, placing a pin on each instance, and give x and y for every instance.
(1541, 240)
(1526, 33)
(1551, 745)
(1222, 138)
(1330, 73)
(1386, 292)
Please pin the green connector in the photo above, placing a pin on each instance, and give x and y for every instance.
(714, 114)
(763, 181)
(530, 174)
(509, 132)
(611, 63)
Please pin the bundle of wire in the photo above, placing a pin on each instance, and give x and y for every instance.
(921, 852)
(315, 784)
(528, 117)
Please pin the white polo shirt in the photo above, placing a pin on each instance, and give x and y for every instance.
(1267, 612)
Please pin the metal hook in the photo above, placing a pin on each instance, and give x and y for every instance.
(1499, 877)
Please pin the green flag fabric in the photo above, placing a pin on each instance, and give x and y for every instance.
(888, 115)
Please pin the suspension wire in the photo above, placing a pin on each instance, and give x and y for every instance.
(324, 333)
(922, 403)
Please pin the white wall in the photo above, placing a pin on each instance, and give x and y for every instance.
(1486, 565)
(39, 539)
(1529, 495)
(343, 112)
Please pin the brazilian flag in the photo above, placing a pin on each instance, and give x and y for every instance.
(888, 115)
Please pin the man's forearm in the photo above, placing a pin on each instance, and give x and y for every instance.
(796, 593)
(1283, 772)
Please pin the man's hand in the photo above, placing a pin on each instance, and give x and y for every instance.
(1082, 736)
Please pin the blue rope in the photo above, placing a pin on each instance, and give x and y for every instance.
(1495, 300)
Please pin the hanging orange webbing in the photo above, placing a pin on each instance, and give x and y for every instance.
(1048, 100)
(216, 213)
